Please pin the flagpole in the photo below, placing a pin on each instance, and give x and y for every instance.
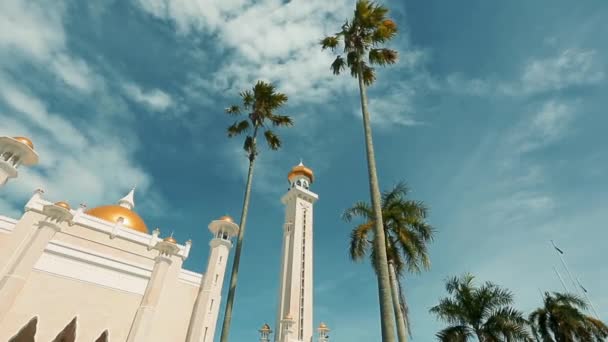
(560, 254)
(588, 300)
(560, 279)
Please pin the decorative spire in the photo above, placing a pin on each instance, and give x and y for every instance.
(129, 200)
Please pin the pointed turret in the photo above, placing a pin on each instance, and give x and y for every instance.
(129, 200)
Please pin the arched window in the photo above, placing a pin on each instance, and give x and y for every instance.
(68, 334)
(103, 337)
(27, 333)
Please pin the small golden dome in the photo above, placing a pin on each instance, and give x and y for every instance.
(265, 327)
(170, 239)
(113, 213)
(322, 326)
(226, 218)
(63, 204)
(25, 141)
(301, 170)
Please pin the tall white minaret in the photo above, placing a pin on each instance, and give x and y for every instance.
(206, 307)
(15, 152)
(294, 314)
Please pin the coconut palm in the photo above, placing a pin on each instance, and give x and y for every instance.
(561, 320)
(482, 312)
(407, 235)
(363, 36)
(259, 105)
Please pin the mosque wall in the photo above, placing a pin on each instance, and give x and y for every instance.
(85, 273)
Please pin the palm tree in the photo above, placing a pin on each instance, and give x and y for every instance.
(561, 320)
(260, 105)
(483, 312)
(407, 235)
(363, 36)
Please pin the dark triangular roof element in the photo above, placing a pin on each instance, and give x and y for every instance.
(27, 333)
(68, 334)
(103, 337)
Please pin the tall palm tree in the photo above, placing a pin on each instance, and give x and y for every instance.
(483, 312)
(561, 320)
(407, 235)
(363, 36)
(260, 105)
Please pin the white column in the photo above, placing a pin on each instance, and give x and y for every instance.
(145, 313)
(296, 289)
(21, 266)
(206, 307)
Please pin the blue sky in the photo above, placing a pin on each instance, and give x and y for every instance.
(495, 117)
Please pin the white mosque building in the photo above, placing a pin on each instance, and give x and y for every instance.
(77, 274)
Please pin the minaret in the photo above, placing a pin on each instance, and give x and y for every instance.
(15, 152)
(323, 333)
(206, 307)
(296, 286)
(265, 332)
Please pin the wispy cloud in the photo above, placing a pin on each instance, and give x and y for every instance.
(154, 99)
(549, 124)
(80, 161)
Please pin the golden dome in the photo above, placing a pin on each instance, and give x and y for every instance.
(114, 212)
(63, 204)
(265, 327)
(226, 218)
(25, 141)
(170, 239)
(322, 326)
(301, 170)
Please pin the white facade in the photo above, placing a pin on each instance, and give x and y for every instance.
(295, 310)
(59, 265)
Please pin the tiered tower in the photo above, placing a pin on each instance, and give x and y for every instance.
(294, 314)
(15, 152)
(206, 308)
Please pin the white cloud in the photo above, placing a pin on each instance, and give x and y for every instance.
(74, 164)
(27, 26)
(571, 67)
(33, 29)
(280, 43)
(549, 124)
(393, 109)
(154, 99)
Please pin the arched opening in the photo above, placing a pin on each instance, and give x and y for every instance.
(27, 333)
(103, 337)
(68, 334)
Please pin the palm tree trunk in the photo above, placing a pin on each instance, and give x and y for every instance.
(401, 329)
(384, 285)
(237, 253)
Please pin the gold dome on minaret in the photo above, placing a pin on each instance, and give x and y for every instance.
(226, 218)
(301, 170)
(124, 211)
(25, 141)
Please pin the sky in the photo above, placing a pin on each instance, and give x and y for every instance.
(494, 117)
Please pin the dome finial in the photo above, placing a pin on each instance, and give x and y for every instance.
(129, 200)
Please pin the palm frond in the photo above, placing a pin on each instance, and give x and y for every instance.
(359, 241)
(238, 128)
(330, 42)
(273, 141)
(457, 333)
(248, 98)
(233, 110)
(368, 74)
(359, 209)
(338, 65)
(281, 120)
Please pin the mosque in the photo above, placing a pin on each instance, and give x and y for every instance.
(76, 274)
